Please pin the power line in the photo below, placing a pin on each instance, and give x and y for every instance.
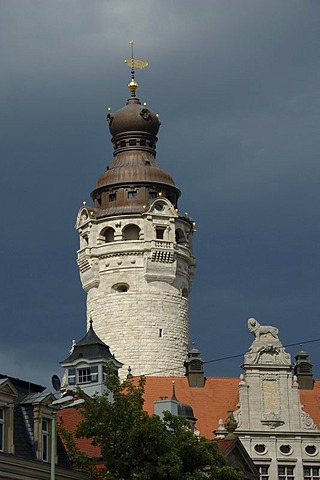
(284, 346)
(220, 359)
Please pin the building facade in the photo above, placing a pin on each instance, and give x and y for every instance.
(27, 419)
(273, 422)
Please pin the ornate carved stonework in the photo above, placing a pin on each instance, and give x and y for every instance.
(266, 349)
(271, 401)
(271, 406)
(306, 420)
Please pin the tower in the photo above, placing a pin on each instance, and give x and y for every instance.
(135, 255)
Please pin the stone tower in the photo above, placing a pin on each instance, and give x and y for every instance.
(135, 257)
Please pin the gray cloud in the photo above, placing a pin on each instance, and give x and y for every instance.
(236, 86)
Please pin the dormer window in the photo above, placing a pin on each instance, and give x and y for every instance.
(71, 376)
(84, 375)
(88, 375)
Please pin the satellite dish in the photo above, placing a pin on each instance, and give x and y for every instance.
(55, 381)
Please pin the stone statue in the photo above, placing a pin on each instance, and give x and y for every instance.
(257, 330)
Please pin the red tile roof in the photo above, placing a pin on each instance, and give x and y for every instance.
(209, 403)
(310, 399)
(69, 418)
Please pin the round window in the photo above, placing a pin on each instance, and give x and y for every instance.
(120, 287)
(285, 449)
(260, 448)
(311, 450)
(159, 207)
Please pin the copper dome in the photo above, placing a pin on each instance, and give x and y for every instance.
(133, 118)
(134, 166)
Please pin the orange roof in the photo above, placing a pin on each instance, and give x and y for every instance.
(310, 399)
(209, 403)
(69, 418)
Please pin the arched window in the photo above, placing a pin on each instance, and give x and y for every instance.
(180, 237)
(131, 232)
(185, 293)
(108, 234)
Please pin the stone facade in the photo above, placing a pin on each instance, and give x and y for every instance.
(137, 271)
(279, 435)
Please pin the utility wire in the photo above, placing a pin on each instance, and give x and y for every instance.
(220, 359)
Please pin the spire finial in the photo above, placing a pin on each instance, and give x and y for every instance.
(173, 391)
(91, 322)
(134, 63)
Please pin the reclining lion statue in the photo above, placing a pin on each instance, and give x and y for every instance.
(257, 330)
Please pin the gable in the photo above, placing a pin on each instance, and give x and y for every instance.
(7, 390)
(237, 457)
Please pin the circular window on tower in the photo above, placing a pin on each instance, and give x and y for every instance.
(311, 450)
(159, 207)
(286, 449)
(120, 287)
(260, 448)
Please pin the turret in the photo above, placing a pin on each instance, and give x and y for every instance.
(135, 255)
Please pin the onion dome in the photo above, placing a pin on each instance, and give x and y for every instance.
(133, 178)
(133, 118)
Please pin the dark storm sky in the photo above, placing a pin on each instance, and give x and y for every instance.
(237, 87)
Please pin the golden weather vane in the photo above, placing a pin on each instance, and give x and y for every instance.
(134, 63)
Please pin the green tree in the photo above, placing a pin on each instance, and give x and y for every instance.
(135, 445)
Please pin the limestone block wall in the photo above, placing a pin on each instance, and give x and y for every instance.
(146, 328)
(137, 271)
(272, 423)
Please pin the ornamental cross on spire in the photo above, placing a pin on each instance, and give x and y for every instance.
(134, 63)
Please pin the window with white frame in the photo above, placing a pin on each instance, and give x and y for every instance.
(104, 373)
(71, 376)
(88, 374)
(2, 429)
(84, 375)
(311, 473)
(45, 440)
(94, 374)
(263, 472)
(285, 472)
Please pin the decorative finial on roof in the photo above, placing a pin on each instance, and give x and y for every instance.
(72, 346)
(174, 391)
(230, 424)
(129, 374)
(91, 322)
(134, 63)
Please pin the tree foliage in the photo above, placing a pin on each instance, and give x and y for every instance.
(135, 445)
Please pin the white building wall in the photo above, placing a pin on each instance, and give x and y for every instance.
(270, 413)
(138, 289)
